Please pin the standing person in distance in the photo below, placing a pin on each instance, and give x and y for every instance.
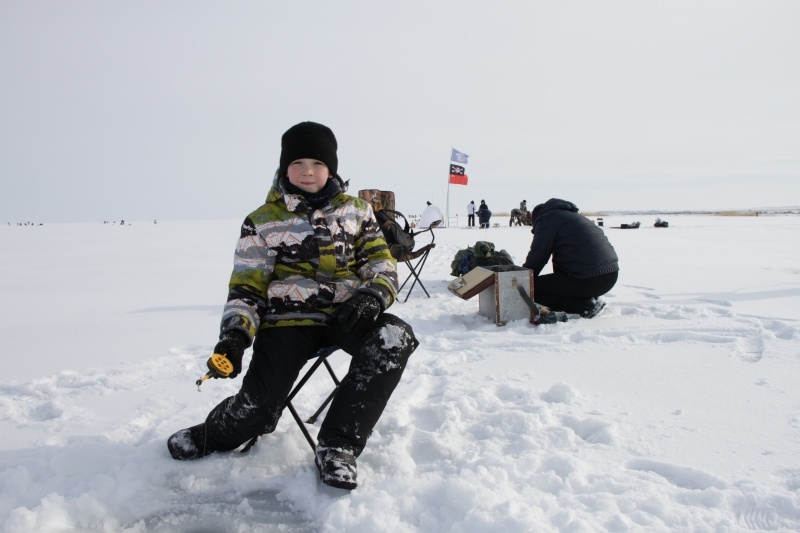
(484, 214)
(523, 212)
(471, 214)
(311, 269)
(585, 265)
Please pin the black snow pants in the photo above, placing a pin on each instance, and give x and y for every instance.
(378, 360)
(562, 292)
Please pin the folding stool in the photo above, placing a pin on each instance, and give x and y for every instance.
(321, 357)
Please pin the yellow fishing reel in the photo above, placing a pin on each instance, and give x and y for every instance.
(219, 366)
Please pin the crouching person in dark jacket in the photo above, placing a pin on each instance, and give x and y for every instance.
(311, 270)
(585, 265)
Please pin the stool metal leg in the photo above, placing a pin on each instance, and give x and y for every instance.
(321, 358)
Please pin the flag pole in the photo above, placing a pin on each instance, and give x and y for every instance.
(447, 206)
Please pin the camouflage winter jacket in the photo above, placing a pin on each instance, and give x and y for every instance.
(295, 264)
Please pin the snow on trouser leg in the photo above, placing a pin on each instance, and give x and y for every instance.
(237, 419)
(379, 358)
(278, 357)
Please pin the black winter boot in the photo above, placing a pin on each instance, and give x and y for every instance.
(337, 467)
(189, 443)
(593, 308)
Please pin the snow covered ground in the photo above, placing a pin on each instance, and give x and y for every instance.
(677, 409)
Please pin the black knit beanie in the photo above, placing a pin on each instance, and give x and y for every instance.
(309, 140)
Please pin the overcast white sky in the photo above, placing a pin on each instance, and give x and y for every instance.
(174, 109)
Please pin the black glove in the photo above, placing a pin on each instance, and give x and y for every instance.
(232, 345)
(358, 314)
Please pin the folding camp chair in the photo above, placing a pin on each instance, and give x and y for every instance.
(415, 260)
(321, 357)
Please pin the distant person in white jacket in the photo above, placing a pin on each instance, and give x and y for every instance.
(471, 214)
(432, 216)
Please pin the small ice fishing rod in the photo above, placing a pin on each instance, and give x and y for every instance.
(219, 366)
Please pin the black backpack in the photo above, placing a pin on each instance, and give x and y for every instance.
(399, 238)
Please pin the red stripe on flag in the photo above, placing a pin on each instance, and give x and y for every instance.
(458, 179)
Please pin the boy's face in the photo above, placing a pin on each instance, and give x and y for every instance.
(308, 175)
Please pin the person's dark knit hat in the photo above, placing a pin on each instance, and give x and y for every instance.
(309, 140)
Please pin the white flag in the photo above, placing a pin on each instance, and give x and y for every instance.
(459, 157)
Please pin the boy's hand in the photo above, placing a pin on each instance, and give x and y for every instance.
(358, 314)
(232, 345)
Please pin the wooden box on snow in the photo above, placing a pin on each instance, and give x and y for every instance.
(499, 298)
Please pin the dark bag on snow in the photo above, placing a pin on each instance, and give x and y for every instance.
(485, 255)
(498, 258)
(399, 238)
(482, 254)
(462, 262)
